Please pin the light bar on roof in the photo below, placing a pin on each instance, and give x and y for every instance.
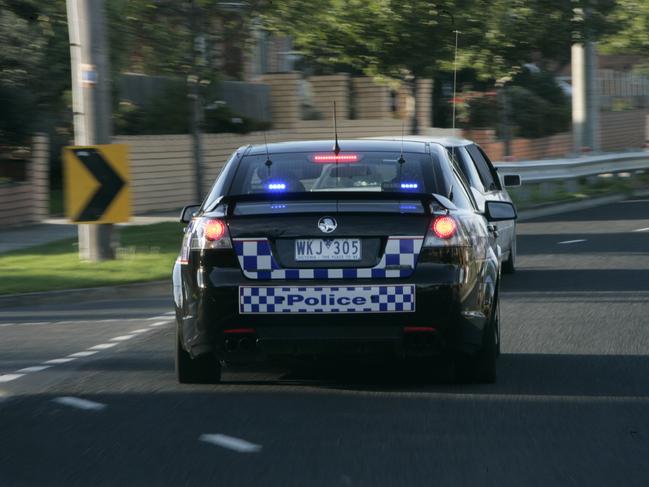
(328, 158)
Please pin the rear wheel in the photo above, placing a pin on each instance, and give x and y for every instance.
(481, 366)
(205, 369)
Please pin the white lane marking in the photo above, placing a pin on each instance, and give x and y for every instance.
(10, 377)
(60, 360)
(102, 346)
(141, 330)
(159, 323)
(572, 241)
(77, 402)
(34, 368)
(236, 444)
(646, 229)
(161, 317)
(122, 338)
(85, 353)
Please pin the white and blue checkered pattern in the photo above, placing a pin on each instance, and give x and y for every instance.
(327, 299)
(398, 261)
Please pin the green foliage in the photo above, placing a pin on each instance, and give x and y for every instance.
(17, 120)
(535, 116)
(632, 35)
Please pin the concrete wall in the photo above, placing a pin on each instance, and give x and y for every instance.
(28, 201)
(370, 100)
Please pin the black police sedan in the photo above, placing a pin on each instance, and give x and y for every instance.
(374, 247)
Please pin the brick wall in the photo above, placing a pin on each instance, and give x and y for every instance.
(551, 147)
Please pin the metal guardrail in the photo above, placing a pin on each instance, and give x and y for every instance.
(552, 170)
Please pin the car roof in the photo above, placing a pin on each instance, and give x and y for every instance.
(346, 145)
(445, 141)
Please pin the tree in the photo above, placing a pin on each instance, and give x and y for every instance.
(632, 36)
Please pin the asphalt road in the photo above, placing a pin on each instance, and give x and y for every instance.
(571, 406)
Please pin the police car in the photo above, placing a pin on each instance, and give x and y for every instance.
(324, 249)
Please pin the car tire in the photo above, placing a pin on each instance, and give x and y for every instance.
(205, 369)
(509, 266)
(481, 366)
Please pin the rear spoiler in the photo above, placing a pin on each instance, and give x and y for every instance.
(425, 198)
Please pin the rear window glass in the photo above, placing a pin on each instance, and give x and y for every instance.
(319, 172)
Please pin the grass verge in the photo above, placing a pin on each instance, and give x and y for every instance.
(146, 253)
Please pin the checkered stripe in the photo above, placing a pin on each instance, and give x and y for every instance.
(383, 299)
(257, 262)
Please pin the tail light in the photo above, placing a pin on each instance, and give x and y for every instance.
(210, 233)
(444, 231)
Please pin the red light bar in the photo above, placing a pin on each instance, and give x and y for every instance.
(325, 158)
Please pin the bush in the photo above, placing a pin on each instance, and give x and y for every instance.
(18, 115)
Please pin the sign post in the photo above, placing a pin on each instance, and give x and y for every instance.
(91, 106)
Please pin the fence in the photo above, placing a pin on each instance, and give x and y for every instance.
(27, 201)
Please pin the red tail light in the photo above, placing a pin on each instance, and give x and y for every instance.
(444, 227)
(214, 230)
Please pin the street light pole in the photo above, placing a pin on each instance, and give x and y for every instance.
(198, 54)
(91, 103)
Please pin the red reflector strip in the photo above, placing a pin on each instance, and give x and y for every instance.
(324, 158)
(238, 331)
(419, 329)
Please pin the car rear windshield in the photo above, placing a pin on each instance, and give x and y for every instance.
(321, 172)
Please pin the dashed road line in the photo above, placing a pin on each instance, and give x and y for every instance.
(122, 338)
(160, 323)
(231, 443)
(103, 346)
(57, 361)
(77, 402)
(73, 356)
(10, 377)
(34, 368)
(565, 242)
(646, 229)
(85, 353)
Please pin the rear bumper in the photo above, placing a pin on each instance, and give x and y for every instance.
(449, 314)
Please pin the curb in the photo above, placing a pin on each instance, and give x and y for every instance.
(533, 213)
(136, 290)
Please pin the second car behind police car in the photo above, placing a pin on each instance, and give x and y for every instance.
(375, 247)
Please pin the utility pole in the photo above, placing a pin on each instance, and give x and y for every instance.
(198, 61)
(585, 93)
(91, 103)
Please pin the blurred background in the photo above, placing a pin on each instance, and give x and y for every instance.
(190, 81)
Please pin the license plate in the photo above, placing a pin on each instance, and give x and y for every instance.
(318, 249)
(326, 299)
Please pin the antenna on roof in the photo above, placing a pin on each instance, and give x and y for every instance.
(401, 159)
(268, 161)
(336, 146)
(457, 33)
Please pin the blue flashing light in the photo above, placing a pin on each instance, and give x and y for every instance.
(276, 187)
(409, 186)
(277, 207)
(409, 207)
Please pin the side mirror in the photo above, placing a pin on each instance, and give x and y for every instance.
(496, 211)
(188, 213)
(511, 180)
